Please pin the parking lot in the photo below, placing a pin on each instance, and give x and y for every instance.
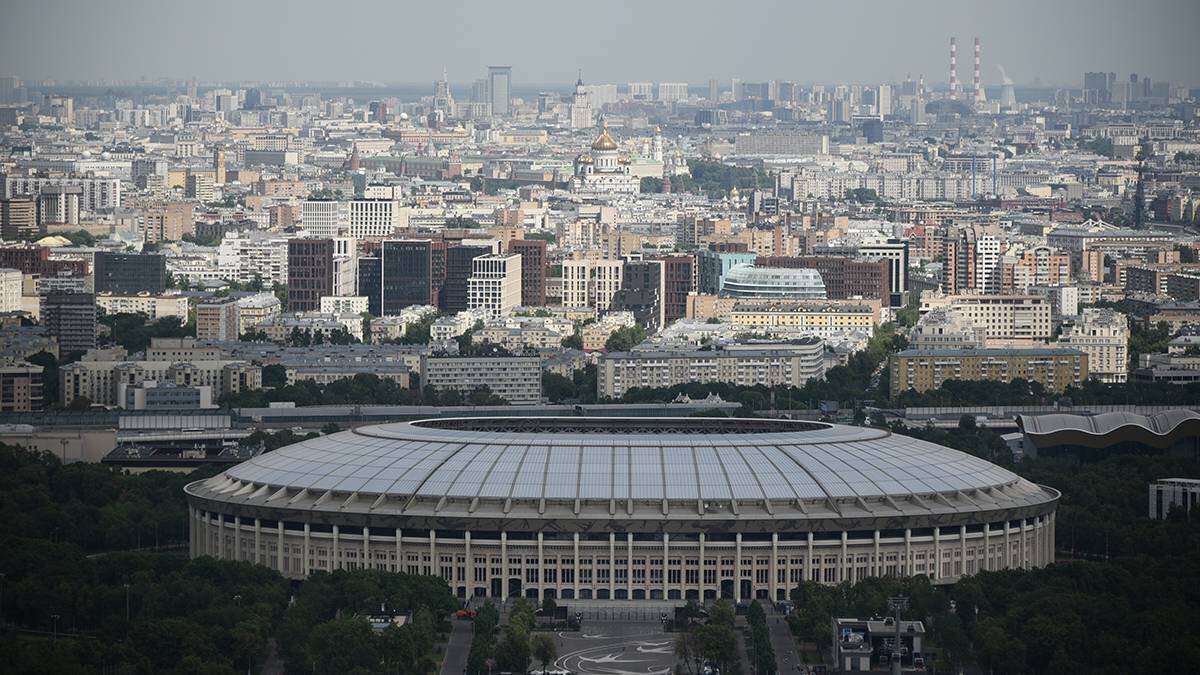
(616, 648)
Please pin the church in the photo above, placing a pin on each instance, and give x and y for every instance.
(603, 173)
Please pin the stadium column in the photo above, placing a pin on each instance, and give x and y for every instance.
(237, 537)
(192, 527)
(875, 564)
(258, 557)
(335, 562)
(629, 565)
(504, 565)
(700, 574)
(279, 546)
(1050, 550)
(987, 548)
(469, 565)
(220, 536)
(773, 582)
(541, 570)
(1007, 546)
(737, 568)
(612, 564)
(937, 553)
(909, 567)
(808, 561)
(434, 565)
(962, 548)
(399, 566)
(1022, 548)
(575, 564)
(366, 548)
(666, 566)
(847, 572)
(307, 565)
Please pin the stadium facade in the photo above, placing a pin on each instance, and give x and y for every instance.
(618, 508)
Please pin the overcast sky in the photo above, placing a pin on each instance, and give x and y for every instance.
(612, 40)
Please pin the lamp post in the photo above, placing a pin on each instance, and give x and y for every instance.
(54, 619)
(126, 603)
(3, 577)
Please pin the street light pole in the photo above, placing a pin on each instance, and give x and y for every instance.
(126, 603)
(54, 618)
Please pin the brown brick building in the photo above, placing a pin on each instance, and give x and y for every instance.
(844, 277)
(533, 270)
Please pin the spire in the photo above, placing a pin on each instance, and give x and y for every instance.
(579, 82)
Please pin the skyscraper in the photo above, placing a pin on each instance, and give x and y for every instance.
(500, 89)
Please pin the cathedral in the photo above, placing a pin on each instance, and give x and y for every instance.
(603, 173)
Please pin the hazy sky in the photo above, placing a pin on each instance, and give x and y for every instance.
(611, 40)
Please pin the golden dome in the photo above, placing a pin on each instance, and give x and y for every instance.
(604, 142)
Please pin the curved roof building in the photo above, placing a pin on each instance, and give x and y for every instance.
(612, 508)
(751, 281)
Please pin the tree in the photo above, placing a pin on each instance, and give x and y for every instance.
(512, 653)
(557, 388)
(625, 338)
(544, 649)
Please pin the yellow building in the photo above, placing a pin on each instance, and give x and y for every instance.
(925, 369)
(820, 318)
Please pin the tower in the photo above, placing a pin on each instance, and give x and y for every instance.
(656, 146)
(500, 90)
(980, 96)
(219, 165)
(953, 68)
(581, 109)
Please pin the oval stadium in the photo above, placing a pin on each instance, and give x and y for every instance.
(624, 509)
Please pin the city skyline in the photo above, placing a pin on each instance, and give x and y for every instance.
(625, 43)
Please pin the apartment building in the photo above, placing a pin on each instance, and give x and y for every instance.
(495, 284)
(104, 381)
(1103, 335)
(591, 282)
(1003, 317)
(823, 319)
(154, 306)
(925, 369)
(788, 364)
(517, 380)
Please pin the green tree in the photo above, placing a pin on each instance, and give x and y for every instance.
(625, 338)
(544, 649)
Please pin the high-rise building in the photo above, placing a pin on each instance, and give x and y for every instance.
(640, 91)
(325, 217)
(129, 273)
(670, 92)
(495, 284)
(376, 218)
(217, 319)
(59, 205)
(500, 90)
(70, 318)
(402, 273)
(533, 270)
(167, 221)
(459, 267)
(18, 218)
(591, 283)
(219, 165)
(714, 91)
(310, 273)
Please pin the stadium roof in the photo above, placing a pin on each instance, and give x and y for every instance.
(601, 459)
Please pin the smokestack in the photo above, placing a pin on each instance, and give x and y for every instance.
(980, 97)
(953, 68)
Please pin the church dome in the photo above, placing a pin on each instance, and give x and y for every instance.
(604, 142)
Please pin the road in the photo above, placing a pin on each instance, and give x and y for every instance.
(458, 647)
(616, 648)
(787, 657)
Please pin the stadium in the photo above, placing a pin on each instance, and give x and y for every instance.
(624, 509)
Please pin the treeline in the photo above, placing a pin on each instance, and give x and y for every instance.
(762, 652)
(157, 612)
(714, 179)
(362, 389)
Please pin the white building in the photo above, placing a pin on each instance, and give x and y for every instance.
(495, 284)
(1103, 335)
(1183, 493)
(590, 282)
(97, 193)
(603, 173)
(153, 306)
(325, 218)
(244, 256)
(354, 304)
(10, 290)
(517, 380)
(376, 218)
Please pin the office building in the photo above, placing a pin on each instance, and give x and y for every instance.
(402, 273)
(752, 281)
(129, 273)
(325, 218)
(1173, 494)
(19, 218)
(499, 88)
(376, 218)
(310, 273)
(459, 267)
(590, 282)
(533, 270)
(843, 277)
(495, 284)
